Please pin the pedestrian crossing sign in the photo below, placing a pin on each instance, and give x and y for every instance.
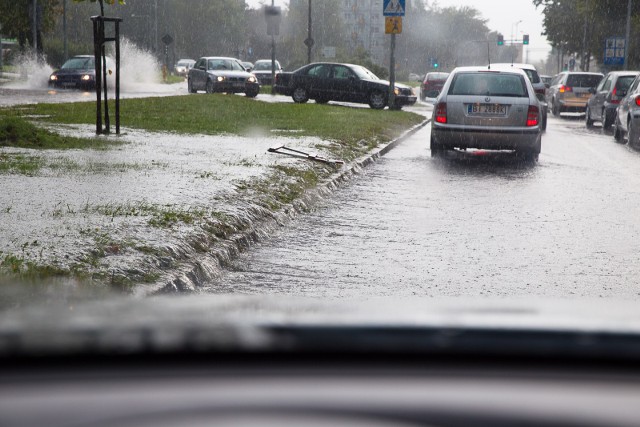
(393, 25)
(393, 8)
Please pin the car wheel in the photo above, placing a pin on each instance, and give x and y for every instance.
(377, 100)
(555, 108)
(190, 86)
(618, 135)
(588, 120)
(632, 135)
(300, 95)
(251, 94)
(606, 124)
(321, 100)
(209, 88)
(437, 150)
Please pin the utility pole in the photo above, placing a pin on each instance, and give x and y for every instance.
(273, 58)
(64, 30)
(155, 25)
(628, 33)
(34, 30)
(585, 67)
(309, 44)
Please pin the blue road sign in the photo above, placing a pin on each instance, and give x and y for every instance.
(393, 7)
(614, 51)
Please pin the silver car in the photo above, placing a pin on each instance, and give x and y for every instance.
(627, 116)
(221, 74)
(482, 107)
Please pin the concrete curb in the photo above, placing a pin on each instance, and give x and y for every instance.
(198, 268)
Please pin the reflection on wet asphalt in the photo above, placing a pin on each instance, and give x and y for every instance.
(471, 224)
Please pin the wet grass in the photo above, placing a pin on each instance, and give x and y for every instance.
(231, 114)
(18, 132)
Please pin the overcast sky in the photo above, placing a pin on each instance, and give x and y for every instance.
(502, 15)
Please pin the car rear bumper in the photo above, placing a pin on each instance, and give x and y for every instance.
(573, 104)
(490, 139)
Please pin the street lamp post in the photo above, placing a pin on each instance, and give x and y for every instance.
(628, 32)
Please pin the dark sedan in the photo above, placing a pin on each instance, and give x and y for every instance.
(78, 72)
(326, 82)
(220, 74)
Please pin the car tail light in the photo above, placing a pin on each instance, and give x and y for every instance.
(564, 89)
(638, 100)
(532, 116)
(614, 97)
(441, 112)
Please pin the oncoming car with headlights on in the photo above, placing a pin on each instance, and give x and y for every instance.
(485, 108)
(78, 72)
(220, 74)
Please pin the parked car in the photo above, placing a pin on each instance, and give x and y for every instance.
(537, 83)
(183, 66)
(247, 65)
(222, 74)
(432, 85)
(570, 90)
(325, 81)
(606, 97)
(494, 109)
(627, 116)
(78, 72)
(262, 70)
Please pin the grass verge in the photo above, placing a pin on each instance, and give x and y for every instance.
(231, 114)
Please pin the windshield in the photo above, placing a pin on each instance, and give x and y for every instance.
(264, 65)
(224, 64)
(146, 209)
(363, 73)
(487, 83)
(79, 64)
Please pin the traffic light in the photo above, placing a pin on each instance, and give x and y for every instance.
(525, 39)
(500, 39)
(435, 63)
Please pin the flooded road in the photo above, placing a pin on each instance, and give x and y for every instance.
(471, 224)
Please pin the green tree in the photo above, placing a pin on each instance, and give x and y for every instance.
(17, 20)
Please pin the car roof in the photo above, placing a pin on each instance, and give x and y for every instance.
(624, 73)
(487, 69)
(219, 57)
(515, 65)
(582, 72)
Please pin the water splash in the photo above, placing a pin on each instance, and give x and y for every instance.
(139, 69)
(34, 72)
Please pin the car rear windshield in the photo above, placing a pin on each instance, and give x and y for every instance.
(437, 76)
(583, 80)
(533, 76)
(624, 82)
(488, 83)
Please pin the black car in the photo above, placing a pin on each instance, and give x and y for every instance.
(606, 97)
(326, 82)
(78, 72)
(222, 74)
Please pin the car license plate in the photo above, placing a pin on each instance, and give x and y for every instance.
(487, 109)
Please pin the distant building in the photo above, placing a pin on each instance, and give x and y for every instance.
(365, 27)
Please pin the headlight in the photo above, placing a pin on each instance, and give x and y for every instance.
(53, 78)
(86, 77)
(251, 79)
(396, 91)
(220, 78)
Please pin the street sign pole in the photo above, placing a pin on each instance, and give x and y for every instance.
(392, 71)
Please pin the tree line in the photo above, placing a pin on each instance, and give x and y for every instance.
(231, 28)
(579, 28)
